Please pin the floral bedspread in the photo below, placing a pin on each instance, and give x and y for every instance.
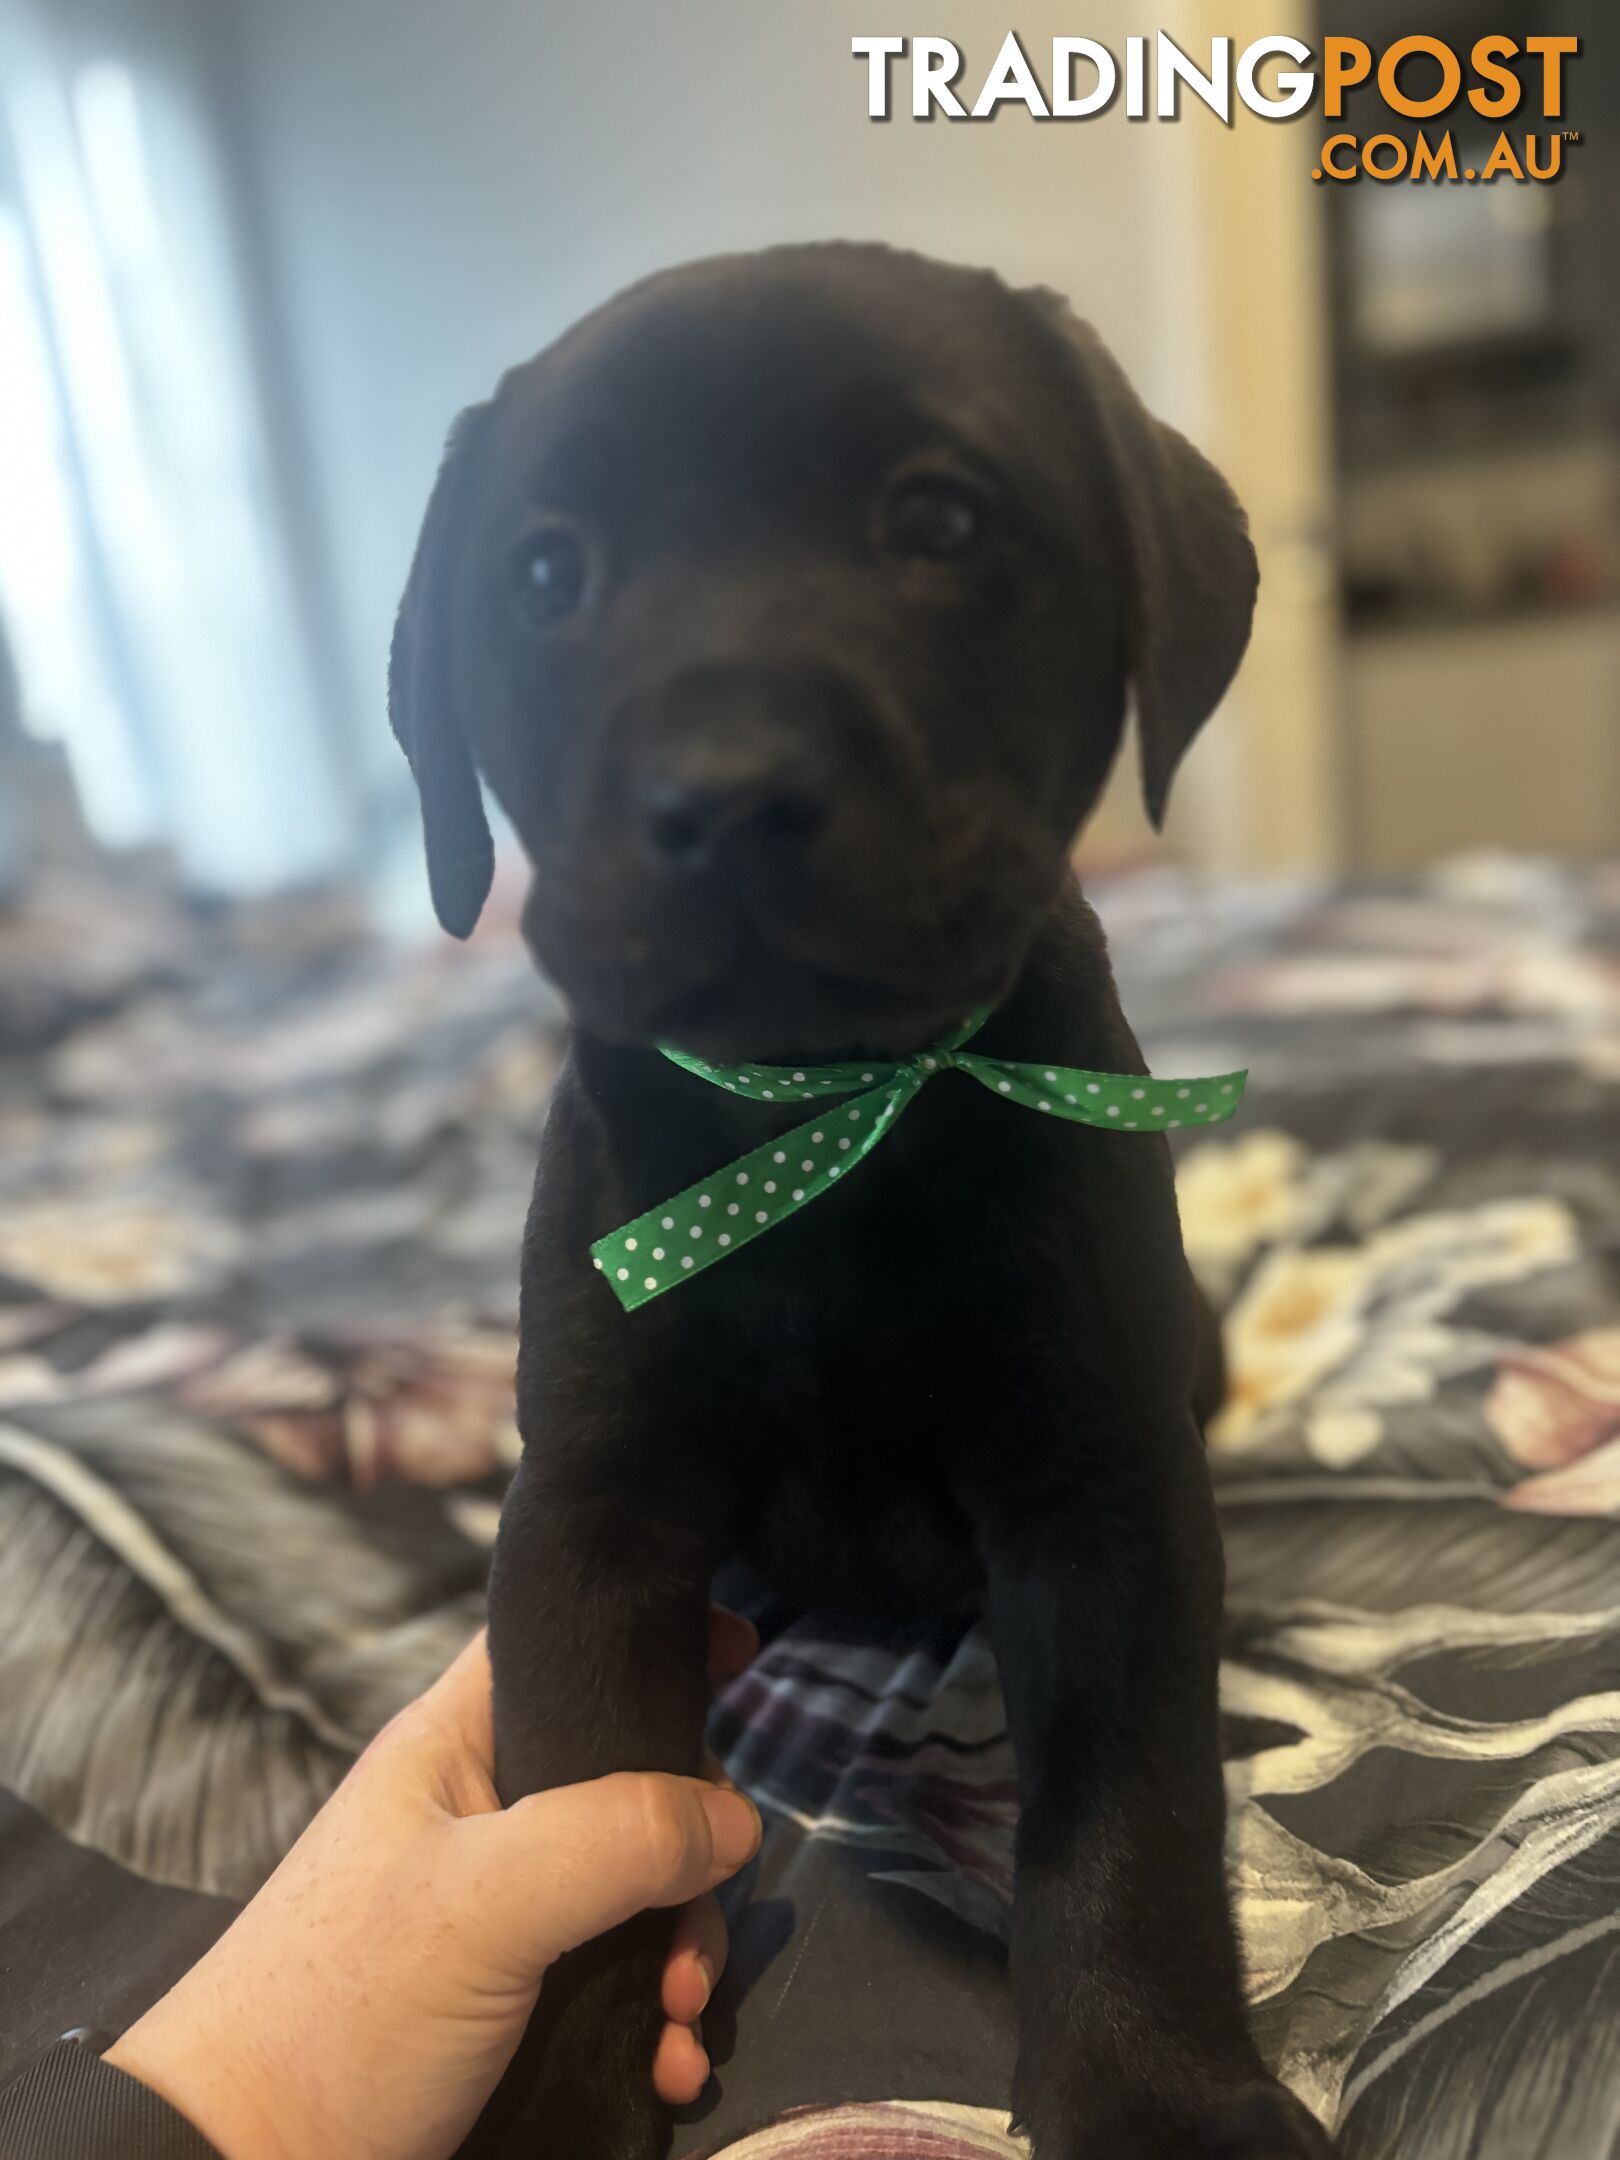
(261, 1188)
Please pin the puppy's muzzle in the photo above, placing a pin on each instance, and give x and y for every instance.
(710, 811)
(733, 771)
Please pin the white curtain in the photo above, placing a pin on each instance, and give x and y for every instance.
(144, 576)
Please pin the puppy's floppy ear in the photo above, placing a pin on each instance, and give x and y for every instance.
(422, 704)
(1194, 573)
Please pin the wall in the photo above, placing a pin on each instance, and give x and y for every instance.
(445, 187)
(436, 190)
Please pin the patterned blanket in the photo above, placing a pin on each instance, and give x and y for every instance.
(261, 1188)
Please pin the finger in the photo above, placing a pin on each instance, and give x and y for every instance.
(680, 2066)
(733, 1644)
(578, 1860)
(697, 1957)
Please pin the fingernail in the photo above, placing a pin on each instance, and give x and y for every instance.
(707, 1970)
(733, 1825)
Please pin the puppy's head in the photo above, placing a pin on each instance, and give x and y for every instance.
(789, 605)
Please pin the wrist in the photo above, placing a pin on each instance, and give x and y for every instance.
(217, 2083)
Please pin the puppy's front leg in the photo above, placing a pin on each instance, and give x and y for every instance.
(598, 1633)
(1104, 1605)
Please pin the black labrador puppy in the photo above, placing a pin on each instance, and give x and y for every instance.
(789, 605)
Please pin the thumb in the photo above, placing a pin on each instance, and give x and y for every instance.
(569, 1864)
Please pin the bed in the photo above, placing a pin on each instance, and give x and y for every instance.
(261, 1186)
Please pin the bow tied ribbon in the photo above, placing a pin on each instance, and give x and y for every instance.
(858, 1102)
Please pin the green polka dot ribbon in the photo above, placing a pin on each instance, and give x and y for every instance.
(857, 1105)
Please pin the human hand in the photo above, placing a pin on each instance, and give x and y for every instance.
(365, 2003)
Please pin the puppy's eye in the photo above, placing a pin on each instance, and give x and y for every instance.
(551, 574)
(932, 517)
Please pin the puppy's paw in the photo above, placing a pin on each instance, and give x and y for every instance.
(1259, 2121)
(569, 2119)
(564, 2118)
(580, 2085)
(1256, 2119)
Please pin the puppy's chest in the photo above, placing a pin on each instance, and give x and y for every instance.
(973, 1255)
(845, 1451)
(877, 1358)
(856, 1333)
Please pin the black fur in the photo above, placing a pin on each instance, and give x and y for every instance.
(971, 1371)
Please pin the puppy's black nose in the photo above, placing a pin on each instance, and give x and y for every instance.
(691, 823)
(730, 761)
